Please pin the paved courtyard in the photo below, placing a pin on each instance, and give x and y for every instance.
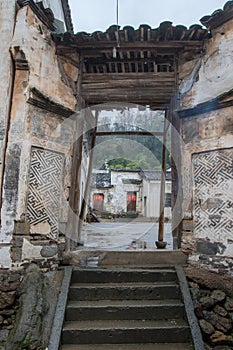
(133, 235)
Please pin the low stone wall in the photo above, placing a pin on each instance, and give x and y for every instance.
(9, 284)
(28, 300)
(212, 296)
(36, 247)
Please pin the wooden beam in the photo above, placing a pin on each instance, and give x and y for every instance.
(140, 90)
(122, 59)
(136, 45)
(160, 76)
(151, 84)
(120, 133)
(125, 95)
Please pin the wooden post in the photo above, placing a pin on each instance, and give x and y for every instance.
(176, 165)
(163, 179)
(86, 191)
(72, 233)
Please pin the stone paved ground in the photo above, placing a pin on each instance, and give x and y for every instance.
(124, 235)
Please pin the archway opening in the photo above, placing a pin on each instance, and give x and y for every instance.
(125, 186)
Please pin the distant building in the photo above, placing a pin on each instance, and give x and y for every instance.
(124, 191)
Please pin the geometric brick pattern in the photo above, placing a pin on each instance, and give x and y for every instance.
(43, 202)
(213, 193)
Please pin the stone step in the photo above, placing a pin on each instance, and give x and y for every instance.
(127, 275)
(155, 346)
(140, 302)
(129, 259)
(125, 310)
(127, 291)
(118, 331)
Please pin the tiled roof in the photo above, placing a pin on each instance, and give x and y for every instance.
(218, 17)
(102, 180)
(154, 175)
(165, 32)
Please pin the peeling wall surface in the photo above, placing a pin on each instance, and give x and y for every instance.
(213, 76)
(38, 153)
(7, 15)
(207, 156)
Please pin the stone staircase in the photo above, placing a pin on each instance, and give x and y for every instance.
(125, 309)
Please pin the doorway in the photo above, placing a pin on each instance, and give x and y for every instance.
(98, 202)
(131, 201)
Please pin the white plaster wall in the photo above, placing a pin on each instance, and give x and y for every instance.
(119, 200)
(5, 259)
(151, 190)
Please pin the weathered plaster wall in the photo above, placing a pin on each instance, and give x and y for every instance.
(214, 72)
(40, 141)
(207, 156)
(34, 39)
(7, 17)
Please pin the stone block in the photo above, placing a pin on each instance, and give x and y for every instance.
(22, 228)
(208, 248)
(9, 287)
(40, 242)
(229, 304)
(220, 323)
(6, 299)
(206, 327)
(43, 228)
(218, 295)
(220, 311)
(3, 334)
(48, 252)
(219, 338)
(16, 254)
(207, 302)
(61, 249)
(17, 242)
(188, 225)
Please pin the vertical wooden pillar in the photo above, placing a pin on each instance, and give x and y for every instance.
(72, 232)
(86, 192)
(163, 178)
(176, 166)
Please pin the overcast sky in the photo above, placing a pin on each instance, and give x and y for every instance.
(91, 15)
